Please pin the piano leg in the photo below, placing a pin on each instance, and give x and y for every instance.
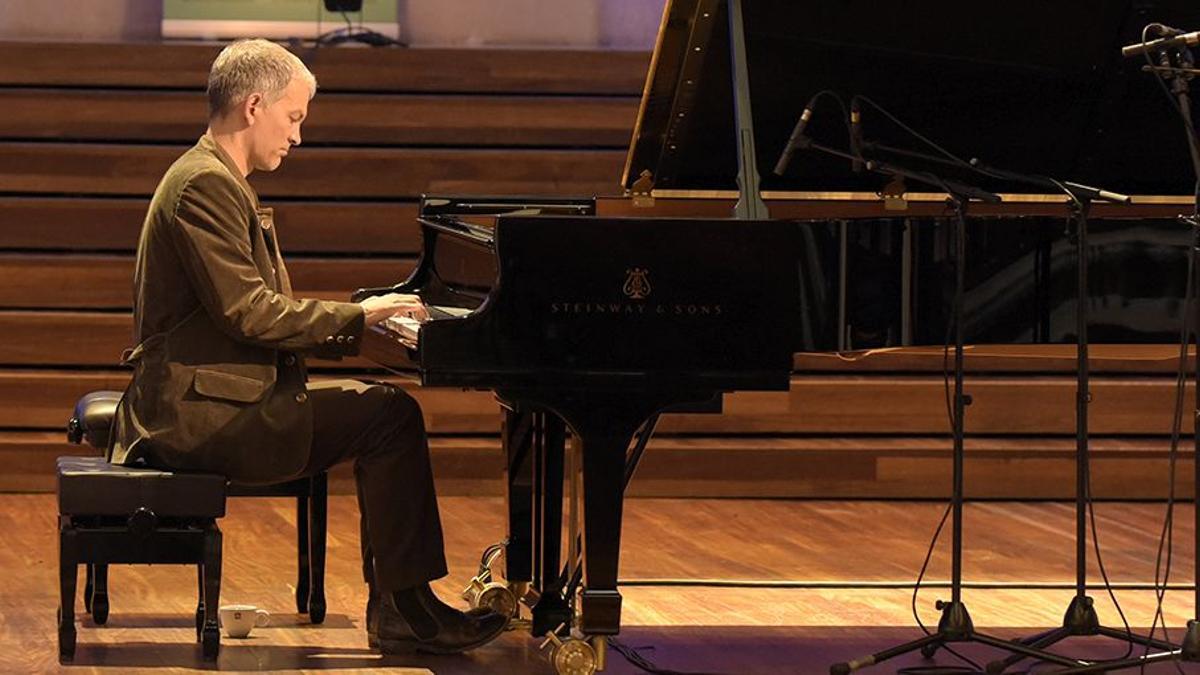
(603, 488)
(551, 609)
(534, 443)
(603, 424)
(517, 435)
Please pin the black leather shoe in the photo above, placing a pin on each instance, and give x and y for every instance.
(373, 602)
(434, 628)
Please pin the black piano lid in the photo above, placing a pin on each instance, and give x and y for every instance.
(1026, 85)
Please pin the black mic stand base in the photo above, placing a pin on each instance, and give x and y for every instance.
(954, 627)
(1190, 652)
(1080, 620)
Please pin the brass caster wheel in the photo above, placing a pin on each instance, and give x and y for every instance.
(574, 657)
(571, 656)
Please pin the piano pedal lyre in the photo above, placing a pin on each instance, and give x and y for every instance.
(575, 655)
(484, 591)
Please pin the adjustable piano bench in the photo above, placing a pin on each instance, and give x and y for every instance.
(113, 514)
(92, 422)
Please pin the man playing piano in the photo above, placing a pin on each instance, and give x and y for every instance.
(219, 380)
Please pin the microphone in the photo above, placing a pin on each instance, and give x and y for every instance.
(1180, 40)
(1097, 193)
(794, 140)
(856, 136)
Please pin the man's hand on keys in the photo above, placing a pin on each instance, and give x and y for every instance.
(380, 307)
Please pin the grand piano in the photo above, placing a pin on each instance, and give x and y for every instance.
(590, 317)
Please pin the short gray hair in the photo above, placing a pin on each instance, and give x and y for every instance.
(249, 66)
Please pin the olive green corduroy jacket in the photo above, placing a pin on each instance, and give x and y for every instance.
(219, 377)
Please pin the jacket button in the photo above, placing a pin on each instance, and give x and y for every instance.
(349, 338)
(341, 339)
(329, 340)
(301, 397)
(289, 360)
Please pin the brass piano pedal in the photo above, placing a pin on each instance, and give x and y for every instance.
(484, 591)
(494, 595)
(571, 655)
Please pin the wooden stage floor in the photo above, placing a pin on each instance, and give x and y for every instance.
(714, 630)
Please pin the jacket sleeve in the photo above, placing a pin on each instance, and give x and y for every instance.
(212, 235)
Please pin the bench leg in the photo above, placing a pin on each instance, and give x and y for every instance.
(318, 518)
(68, 561)
(199, 601)
(99, 593)
(88, 587)
(210, 635)
(303, 584)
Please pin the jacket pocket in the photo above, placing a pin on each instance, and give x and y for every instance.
(217, 384)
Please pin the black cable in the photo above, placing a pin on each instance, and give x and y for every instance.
(840, 101)
(924, 566)
(946, 514)
(638, 661)
(916, 134)
(937, 670)
(1167, 537)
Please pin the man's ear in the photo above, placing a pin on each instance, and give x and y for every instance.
(252, 108)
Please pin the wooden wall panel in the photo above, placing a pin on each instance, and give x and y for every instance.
(106, 281)
(44, 399)
(86, 339)
(846, 406)
(735, 467)
(179, 65)
(341, 119)
(463, 466)
(113, 224)
(376, 173)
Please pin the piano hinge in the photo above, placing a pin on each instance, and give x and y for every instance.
(893, 195)
(642, 189)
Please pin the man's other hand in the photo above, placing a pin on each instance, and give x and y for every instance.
(379, 307)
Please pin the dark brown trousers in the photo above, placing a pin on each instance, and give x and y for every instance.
(380, 427)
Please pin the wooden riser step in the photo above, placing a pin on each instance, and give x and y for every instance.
(892, 468)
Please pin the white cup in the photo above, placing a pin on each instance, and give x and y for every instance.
(238, 620)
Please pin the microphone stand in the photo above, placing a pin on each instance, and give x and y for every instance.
(955, 624)
(1190, 648)
(1080, 618)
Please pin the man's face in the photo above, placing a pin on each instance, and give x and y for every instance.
(276, 127)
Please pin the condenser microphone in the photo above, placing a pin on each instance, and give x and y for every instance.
(794, 140)
(856, 136)
(1181, 40)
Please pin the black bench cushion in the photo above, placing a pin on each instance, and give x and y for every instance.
(93, 418)
(92, 486)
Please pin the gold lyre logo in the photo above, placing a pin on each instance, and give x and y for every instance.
(637, 286)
